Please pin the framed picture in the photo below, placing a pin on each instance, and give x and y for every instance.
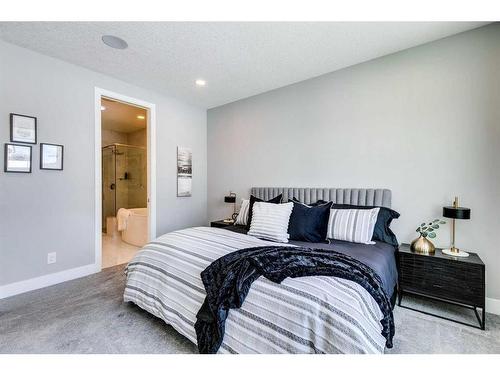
(22, 128)
(17, 158)
(184, 171)
(51, 156)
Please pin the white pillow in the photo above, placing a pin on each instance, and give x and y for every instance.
(270, 221)
(353, 225)
(242, 218)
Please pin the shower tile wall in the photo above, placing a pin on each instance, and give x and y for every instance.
(137, 194)
(122, 188)
(108, 137)
(138, 138)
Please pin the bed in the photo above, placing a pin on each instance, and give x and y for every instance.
(314, 314)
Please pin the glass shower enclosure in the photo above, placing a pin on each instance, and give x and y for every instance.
(124, 179)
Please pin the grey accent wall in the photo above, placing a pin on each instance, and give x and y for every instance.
(48, 211)
(424, 123)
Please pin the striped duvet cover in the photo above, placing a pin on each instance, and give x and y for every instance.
(316, 314)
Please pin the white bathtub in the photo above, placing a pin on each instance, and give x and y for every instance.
(136, 232)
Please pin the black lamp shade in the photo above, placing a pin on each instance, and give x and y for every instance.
(456, 212)
(230, 199)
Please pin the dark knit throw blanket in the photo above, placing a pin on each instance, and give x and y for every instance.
(228, 280)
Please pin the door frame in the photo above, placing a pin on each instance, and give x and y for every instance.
(151, 164)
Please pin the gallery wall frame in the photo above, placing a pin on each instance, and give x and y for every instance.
(51, 156)
(17, 158)
(23, 128)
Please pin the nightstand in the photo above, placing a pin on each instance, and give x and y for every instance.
(220, 224)
(459, 281)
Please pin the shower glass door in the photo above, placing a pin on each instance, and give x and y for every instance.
(124, 179)
(108, 184)
(136, 177)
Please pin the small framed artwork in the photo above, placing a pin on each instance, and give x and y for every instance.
(51, 156)
(17, 158)
(22, 128)
(184, 171)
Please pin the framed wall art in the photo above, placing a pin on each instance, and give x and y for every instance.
(17, 158)
(184, 171)
(51, 156)
(22, 128)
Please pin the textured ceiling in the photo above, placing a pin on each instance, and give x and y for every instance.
(121, 117)
(237, 59)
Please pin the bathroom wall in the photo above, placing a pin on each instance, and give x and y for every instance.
(138, 138)
(109, 137)
(136, 182)
(138, 185)
(53, 211)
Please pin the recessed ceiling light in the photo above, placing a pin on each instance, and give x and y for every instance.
(200, 82)
(141, 117)
(114, 42)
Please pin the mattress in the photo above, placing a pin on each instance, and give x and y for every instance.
(316, 314)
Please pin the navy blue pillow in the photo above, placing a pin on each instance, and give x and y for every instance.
(309, 223)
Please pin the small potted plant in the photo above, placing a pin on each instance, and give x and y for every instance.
(422, 245)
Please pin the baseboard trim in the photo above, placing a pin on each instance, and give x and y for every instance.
(47, 280)
(493, 306)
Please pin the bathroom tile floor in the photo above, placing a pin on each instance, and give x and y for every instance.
(115, 251)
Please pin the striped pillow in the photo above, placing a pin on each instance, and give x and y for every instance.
(242, 218)
(352, 225)
(270, 221)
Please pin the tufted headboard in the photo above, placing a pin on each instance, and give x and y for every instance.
(360, 197)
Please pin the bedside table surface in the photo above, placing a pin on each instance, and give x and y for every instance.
(220, 223)
(473, 258)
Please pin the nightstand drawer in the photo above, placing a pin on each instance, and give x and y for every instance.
(454, 281)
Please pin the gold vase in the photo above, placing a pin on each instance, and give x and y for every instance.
(422, 245)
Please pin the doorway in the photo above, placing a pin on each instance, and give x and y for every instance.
(125, 178)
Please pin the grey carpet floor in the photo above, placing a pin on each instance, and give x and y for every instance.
(88, 315)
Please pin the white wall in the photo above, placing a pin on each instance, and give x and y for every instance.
(424, 122)
(48, 211)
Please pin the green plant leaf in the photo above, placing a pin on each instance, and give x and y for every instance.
(432, 235)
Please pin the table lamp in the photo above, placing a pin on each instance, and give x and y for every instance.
(231, 198)
(455, 212)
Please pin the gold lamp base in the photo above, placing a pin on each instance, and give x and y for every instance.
(454, 252)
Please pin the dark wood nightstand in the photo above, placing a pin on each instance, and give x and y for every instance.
(220, 224)
(459, 281)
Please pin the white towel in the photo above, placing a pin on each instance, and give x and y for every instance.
(122, 217)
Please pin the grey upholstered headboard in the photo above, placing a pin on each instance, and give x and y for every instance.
(361, 197)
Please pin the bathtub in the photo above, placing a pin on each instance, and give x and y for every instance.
(136, 232)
